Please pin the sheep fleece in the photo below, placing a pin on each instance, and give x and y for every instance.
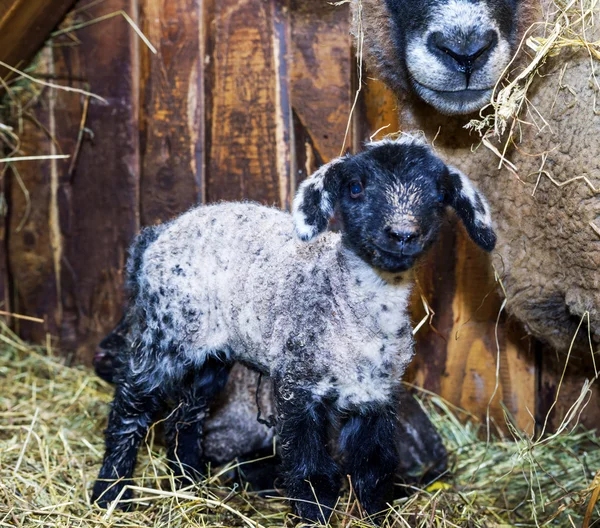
(233, 279)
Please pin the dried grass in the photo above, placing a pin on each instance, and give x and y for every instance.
(570, 25)
(51, 422)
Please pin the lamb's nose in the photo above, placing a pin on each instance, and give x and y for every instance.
(403, 236)
(467, 53)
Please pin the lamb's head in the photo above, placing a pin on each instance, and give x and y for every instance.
(450, 53)
(391, 200)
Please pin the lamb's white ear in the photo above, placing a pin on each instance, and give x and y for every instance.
(315, 199)
(471, 207)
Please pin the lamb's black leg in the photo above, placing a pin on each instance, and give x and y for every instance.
(132, 412)
(367, 441)
(184, 425)
(424, 457)
(310, 474)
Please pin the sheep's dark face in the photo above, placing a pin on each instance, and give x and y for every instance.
(454, 51)
(391, 204)
(391, 200)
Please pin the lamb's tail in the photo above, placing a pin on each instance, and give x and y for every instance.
(136, 253)
(111, 352)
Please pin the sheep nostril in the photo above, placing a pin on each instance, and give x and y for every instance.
(401, 236)
(466, 51)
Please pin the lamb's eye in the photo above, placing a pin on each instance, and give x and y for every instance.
(440, 197)
(356, 189)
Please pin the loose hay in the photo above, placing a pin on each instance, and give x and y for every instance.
(51, 422)
(570, 25)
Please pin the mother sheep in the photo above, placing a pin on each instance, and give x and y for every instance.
(443, 58)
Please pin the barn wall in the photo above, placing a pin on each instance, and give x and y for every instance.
(243, 99)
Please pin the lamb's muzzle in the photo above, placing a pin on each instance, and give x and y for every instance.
(325, 317)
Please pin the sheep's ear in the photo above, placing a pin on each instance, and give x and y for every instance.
(471, 207)
(315, 200)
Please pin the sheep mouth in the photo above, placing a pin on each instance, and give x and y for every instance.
(454, 102)
(398, 254)
(390, 260)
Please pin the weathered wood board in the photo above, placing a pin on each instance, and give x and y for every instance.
(171, 108)
(321, 73)
(31, 237)
(33, 18)
(67, 260)
(249, 122)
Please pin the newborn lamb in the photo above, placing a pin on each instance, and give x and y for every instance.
(323, 314)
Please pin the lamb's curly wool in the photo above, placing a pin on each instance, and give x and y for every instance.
(232, 277)
(548, 252)
(325, 317)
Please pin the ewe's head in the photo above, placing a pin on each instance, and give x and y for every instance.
(450, 53)
(391, 200)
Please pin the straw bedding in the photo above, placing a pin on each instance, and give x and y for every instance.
(51, 422)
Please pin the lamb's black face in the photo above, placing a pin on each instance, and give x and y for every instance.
(391, 200)
(391, 204)
(454, 51)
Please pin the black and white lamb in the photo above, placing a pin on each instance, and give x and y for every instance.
(325, 317)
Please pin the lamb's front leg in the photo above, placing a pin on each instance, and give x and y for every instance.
(368, 443)
(311, 476)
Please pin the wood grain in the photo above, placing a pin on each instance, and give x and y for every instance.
(379, 115)
(30, 254)
(24, 26)
(556, 398)
(249, 120)
(171, 120)
(100, 202)
(321, 71)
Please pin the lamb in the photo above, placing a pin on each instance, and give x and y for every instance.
(233, 429)
(445, 59)
(325, 317)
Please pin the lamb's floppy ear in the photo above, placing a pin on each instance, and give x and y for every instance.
(471, 207)
(315, 199)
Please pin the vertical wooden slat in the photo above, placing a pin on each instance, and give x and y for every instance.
(67, 259)
(282, 38)
(172, 120)
(379, 112)
(483, 361)
(29, 246)
(321, 70)
(556, 397)
(248, 119)
(100, 215)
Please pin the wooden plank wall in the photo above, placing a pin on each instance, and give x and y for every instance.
(242, 100)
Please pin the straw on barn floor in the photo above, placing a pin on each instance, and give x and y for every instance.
(51, 446)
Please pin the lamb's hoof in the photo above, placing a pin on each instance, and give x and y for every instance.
(311, 514)
(105, 492)
(188, 473)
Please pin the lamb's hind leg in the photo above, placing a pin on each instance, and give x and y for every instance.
(185, 423)
(367, 441)
(311, 476)
(133, 409)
